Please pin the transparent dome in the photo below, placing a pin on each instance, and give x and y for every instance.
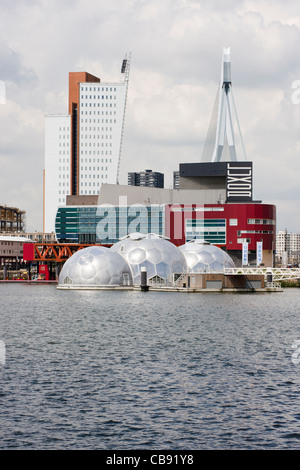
(159, 256)
(202, 256)
(95, 266)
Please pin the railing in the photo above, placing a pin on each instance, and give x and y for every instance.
(273, 285)
(176, 282)
(278, 274)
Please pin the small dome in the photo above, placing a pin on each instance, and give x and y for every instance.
(202, 256)
(95, 266)
(159, 256)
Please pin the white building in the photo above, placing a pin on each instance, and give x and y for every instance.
(11, 248)
(83, 147)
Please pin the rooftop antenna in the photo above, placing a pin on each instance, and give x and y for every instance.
(125, 72)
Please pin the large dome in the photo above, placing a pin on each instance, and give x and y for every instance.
(95, 266)
(202, 256)
(160, 257)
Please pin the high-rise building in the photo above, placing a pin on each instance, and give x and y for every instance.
(287, 248)
(149, 178)
(83, 147)
(212, 200)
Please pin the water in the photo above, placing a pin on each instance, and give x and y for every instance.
(133, 370)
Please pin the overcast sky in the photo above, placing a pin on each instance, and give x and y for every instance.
(176, 48)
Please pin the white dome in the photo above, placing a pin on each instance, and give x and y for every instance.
(159, 256)
(95, 266)
(202, 256)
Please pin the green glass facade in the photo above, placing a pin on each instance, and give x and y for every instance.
(107, 224)
(210, 230)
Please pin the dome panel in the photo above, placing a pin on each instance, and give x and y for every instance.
(160, 256)
(205, 257)
(162, 269)
(155, 255)
(137, 255)
(85, 258)
(88, 271)
(95, 266)
(191, 258)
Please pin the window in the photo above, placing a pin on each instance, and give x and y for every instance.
(210, 230)
(197, 209)
(244, 240)
(233, 222)
(261, 221)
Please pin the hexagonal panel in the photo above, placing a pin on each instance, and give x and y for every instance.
(160, 255)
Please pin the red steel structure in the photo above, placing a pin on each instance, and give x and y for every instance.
(54, 252)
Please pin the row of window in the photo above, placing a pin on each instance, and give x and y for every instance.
(232, 222)
(197, 209)
(261, 221)
(210, 230)
(94, 184)
(93, 105)
(98, 88)
(239, 232)
(205, 223)
(93, 175)
(96, 113)
(102, 121)
(11, 243)
(90, 176)
(95, 152)
(95, 97)
(96, 129)
(93, 144)
(95, 160)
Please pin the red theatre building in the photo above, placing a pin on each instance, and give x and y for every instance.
(235, 220)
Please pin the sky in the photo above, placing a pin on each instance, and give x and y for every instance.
(176, 50)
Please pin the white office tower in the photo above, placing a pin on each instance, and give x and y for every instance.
(83, 147)
(224, 139)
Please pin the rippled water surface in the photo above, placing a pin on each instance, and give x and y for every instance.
(154, 370)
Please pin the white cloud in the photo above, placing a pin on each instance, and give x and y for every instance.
(176, 50)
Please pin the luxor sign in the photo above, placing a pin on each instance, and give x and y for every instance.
(239, 182)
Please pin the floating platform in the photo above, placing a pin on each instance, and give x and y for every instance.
(196, 282)
(173, 289)
(215, 290)
(27, 281)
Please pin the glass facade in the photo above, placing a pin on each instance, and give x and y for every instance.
(107, 224)
(209, 230)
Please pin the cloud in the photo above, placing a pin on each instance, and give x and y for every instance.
(176, 50)
(12, 69)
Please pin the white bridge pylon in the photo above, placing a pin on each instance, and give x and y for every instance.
(227, 114)
(278, 274)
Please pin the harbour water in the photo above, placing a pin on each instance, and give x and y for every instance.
(148, 370)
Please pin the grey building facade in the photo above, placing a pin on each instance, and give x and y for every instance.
(148, 178)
